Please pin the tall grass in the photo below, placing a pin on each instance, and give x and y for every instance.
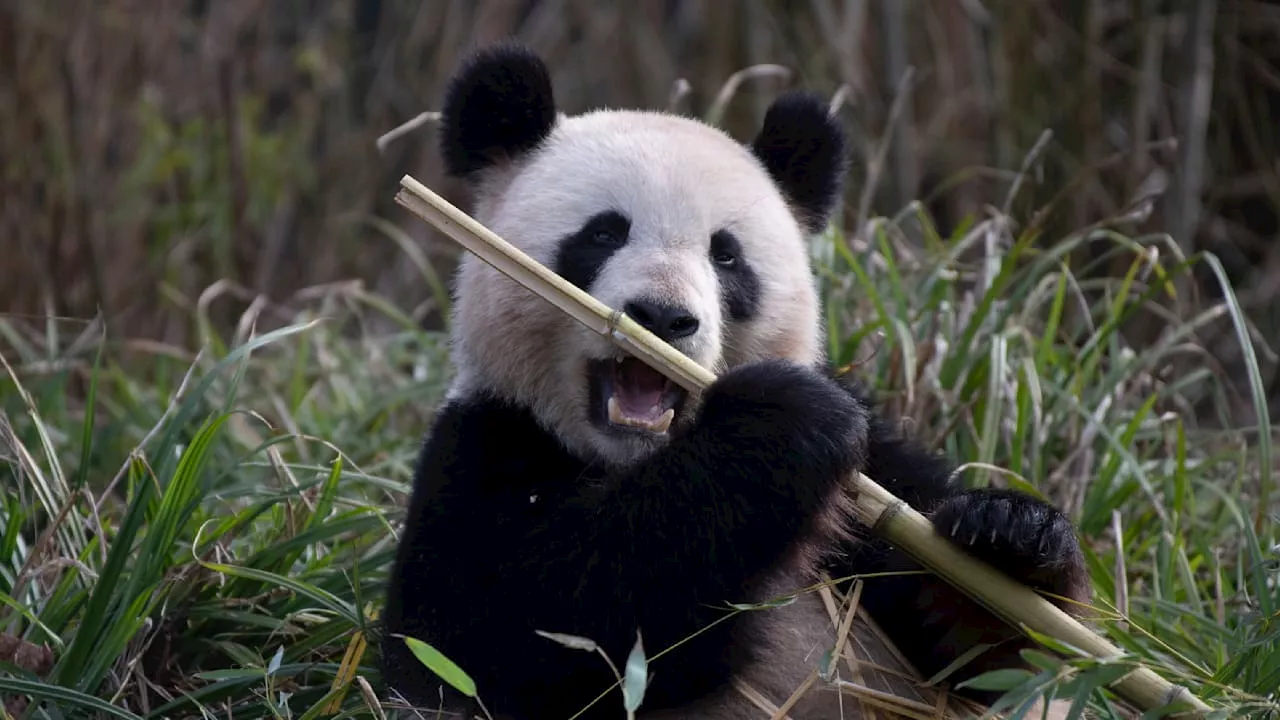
(207, 536)
(209, 546)
(1015, 365)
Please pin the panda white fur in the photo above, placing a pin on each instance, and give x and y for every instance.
(566, 489)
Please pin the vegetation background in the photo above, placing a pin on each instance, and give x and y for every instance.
(1059, 256)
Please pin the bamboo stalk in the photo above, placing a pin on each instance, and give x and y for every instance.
(875, 507)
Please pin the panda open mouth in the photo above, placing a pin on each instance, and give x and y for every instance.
(628, 394)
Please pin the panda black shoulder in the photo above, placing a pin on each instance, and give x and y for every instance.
(497, 106)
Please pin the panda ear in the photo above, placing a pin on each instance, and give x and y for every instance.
(497, 106)
(803, 148)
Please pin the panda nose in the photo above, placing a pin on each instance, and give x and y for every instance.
(669, 322)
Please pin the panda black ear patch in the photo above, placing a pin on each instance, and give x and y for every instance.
(803, 148)
(498, 105)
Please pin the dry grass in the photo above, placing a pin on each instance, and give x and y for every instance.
(240, 145)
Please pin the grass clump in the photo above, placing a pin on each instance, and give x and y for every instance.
(190, 542)
(207, 536)
(1019, 364)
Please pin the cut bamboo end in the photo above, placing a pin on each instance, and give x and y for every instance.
(875, 506)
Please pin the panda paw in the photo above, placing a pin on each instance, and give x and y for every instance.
(788, 410)
(1031, 541)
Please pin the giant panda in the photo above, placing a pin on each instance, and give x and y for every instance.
(565, 487)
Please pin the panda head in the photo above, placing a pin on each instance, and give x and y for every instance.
(698, 237)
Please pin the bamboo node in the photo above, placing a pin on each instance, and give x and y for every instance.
(611, 327)
(890, 511)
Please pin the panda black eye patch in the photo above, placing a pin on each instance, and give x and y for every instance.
(739, 285)
(581, 255)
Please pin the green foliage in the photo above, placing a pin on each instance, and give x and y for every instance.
(208, 536)
(220, 557)
(1015, 365)
(442, 666)
(196, 156)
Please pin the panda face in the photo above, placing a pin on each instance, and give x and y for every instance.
(689, 232)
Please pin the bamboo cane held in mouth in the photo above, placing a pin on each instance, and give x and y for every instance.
(875, 507)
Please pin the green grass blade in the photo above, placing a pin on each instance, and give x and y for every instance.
(62, 697)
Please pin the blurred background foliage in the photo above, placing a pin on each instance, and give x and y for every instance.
(153, 148)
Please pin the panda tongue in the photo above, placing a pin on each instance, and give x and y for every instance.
(638, 389)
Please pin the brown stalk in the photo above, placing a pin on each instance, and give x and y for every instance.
(874, 506)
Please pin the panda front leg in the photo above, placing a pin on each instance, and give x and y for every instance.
(929, 620)
(659, 548)
(700, 524)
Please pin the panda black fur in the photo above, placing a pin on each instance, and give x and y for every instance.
(538, 506)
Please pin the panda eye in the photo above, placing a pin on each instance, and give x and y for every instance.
(608, 229)
(604, 237)
(725, 249)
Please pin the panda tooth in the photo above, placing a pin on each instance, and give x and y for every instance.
(615, 412)
(664, 421)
